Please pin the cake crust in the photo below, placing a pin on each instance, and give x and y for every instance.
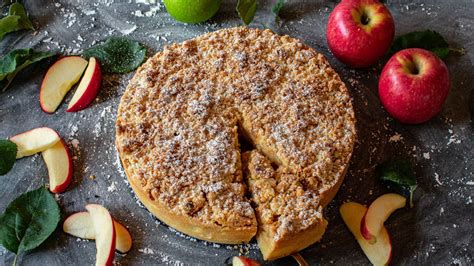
(178, 129)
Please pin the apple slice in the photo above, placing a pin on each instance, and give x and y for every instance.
(59, 79)
(243, 261)
(59, 163)
(88, 87)
(379, 253)
(104, 234)
(80, 224)
(124, 239)
(378, 212)
(34, 141)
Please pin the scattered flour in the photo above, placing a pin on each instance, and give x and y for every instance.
(112, 187)
(146, 251)
(437, 179)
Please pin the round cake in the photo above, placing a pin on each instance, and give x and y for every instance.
(188, 110)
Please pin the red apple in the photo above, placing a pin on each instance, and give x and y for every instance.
(360, 32)
(414, 85)
(80, 224)
(104, 234)
(59, 79)
(58, 160)
(34, 141)
(379, 253)
(377, 213)
(88, 87)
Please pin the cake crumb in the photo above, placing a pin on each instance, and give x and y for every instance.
(396, 138)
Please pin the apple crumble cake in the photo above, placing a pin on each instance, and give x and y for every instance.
(178, 129)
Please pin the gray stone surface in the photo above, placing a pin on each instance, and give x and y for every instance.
(438, 230)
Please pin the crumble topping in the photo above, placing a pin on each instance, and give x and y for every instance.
(180, 117)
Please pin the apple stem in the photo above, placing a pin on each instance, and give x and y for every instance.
(459, 51)
(412, 191)
(14, 260)
(301, 261)
(364, 19)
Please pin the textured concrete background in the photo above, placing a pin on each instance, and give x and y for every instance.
(438, 230)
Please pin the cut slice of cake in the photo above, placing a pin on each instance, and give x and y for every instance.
(289, 214)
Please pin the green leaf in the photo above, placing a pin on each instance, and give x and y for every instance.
(278, 6)
(118, 54)
(15, 20)
(428, 39)
(246, 10)
(29, 220)
(9, 24)
(399, 172)
(15, 61)
(18, 9)
(8, 151)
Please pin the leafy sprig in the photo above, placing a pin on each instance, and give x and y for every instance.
(246, 10)
(118, 54)
(278, 6)
(427, 39)
(15, 61)
(16, 20)
(28, 221)
(400, 173)
(8, 152)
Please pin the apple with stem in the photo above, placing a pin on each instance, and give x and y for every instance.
(360, 32)
(88, 87)
(414, 85)
(59, 79)
(379, 253)
(80, 224)
(34, 141)
(378, 212)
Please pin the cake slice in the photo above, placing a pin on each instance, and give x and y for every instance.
(289, 215)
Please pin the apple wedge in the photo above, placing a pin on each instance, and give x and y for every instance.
(378, 212)
(379, 253)
(124, 239)
(59, 79)
(34, 141)
(80, 224)
(104, 234)
(59, 163)
(88, 87)
(243, 261)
